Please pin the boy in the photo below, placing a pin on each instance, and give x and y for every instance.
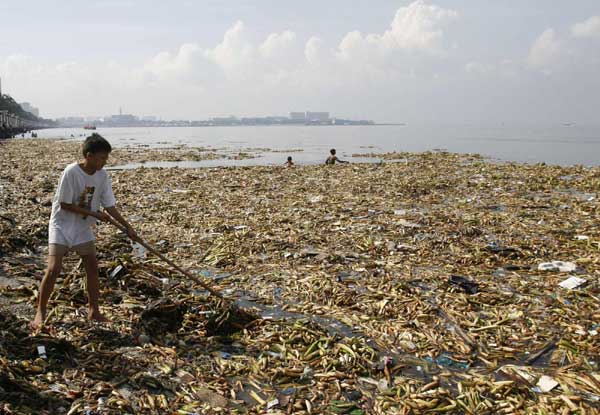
(333, 158)
(289, 162)
(82, 189)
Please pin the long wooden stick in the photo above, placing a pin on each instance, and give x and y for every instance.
(168, 261)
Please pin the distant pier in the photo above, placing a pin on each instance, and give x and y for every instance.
(12, 125)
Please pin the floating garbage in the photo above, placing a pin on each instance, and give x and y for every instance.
(384, 289)
(42, 352)
(559, 266)
(468, 286)
(572, 283)
(446, 360)
(546, 384)
(118, 271)
(216, 276)
(138, 250)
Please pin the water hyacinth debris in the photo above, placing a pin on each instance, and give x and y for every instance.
(394, 303)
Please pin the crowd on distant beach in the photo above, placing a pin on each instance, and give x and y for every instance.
(8, 132)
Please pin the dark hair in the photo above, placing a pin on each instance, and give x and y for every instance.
(332, 150)
(95, 143)
(289, 157)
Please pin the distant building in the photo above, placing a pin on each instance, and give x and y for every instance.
(275, 119)
(149, 118)
(123, 118)
(317, 116)
(30, 108)
(71, 121)
(225, 120)
(298, 116)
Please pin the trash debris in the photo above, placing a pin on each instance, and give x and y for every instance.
(363, 312)
(572, 283)
(118, 271)
(466, 285)
(144, 339)
(501, 250)
(42, 352)
(162, 315)
(138, 250)
(408, 224)
(272, 404)
(546, 384)
(446, 360)
(558, 266)
(214, 276)
(499, 272)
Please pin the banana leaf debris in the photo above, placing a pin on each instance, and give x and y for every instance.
(443, 283)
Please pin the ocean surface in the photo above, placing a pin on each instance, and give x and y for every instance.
(556, 144)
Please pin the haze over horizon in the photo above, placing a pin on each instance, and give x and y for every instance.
(401, 61)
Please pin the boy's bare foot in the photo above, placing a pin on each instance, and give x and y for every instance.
(37, 322)
(95, 315)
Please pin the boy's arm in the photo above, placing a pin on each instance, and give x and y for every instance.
(114, 212)
(82, 211)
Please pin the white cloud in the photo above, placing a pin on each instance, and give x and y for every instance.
(239, 69)
(408, 67)
(587, 28)
(418, 26)
(235, 49)
(279, 59)
(553, 53)
(166, 65)
(546, 49)
(358, 47)
(277, 44)
(314, 51)
(415, 28)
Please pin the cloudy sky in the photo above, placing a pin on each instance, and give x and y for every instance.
(442, 61)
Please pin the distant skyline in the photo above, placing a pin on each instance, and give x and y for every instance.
(484, 61)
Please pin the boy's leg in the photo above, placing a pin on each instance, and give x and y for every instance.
(55, 257)
(88, 255)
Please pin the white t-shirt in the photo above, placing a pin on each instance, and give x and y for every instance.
(89, 191)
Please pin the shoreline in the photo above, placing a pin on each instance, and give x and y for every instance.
(266, 146)
(376, 247)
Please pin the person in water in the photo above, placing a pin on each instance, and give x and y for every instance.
(332, 159)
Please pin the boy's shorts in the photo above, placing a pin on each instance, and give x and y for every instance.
(84, 249)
